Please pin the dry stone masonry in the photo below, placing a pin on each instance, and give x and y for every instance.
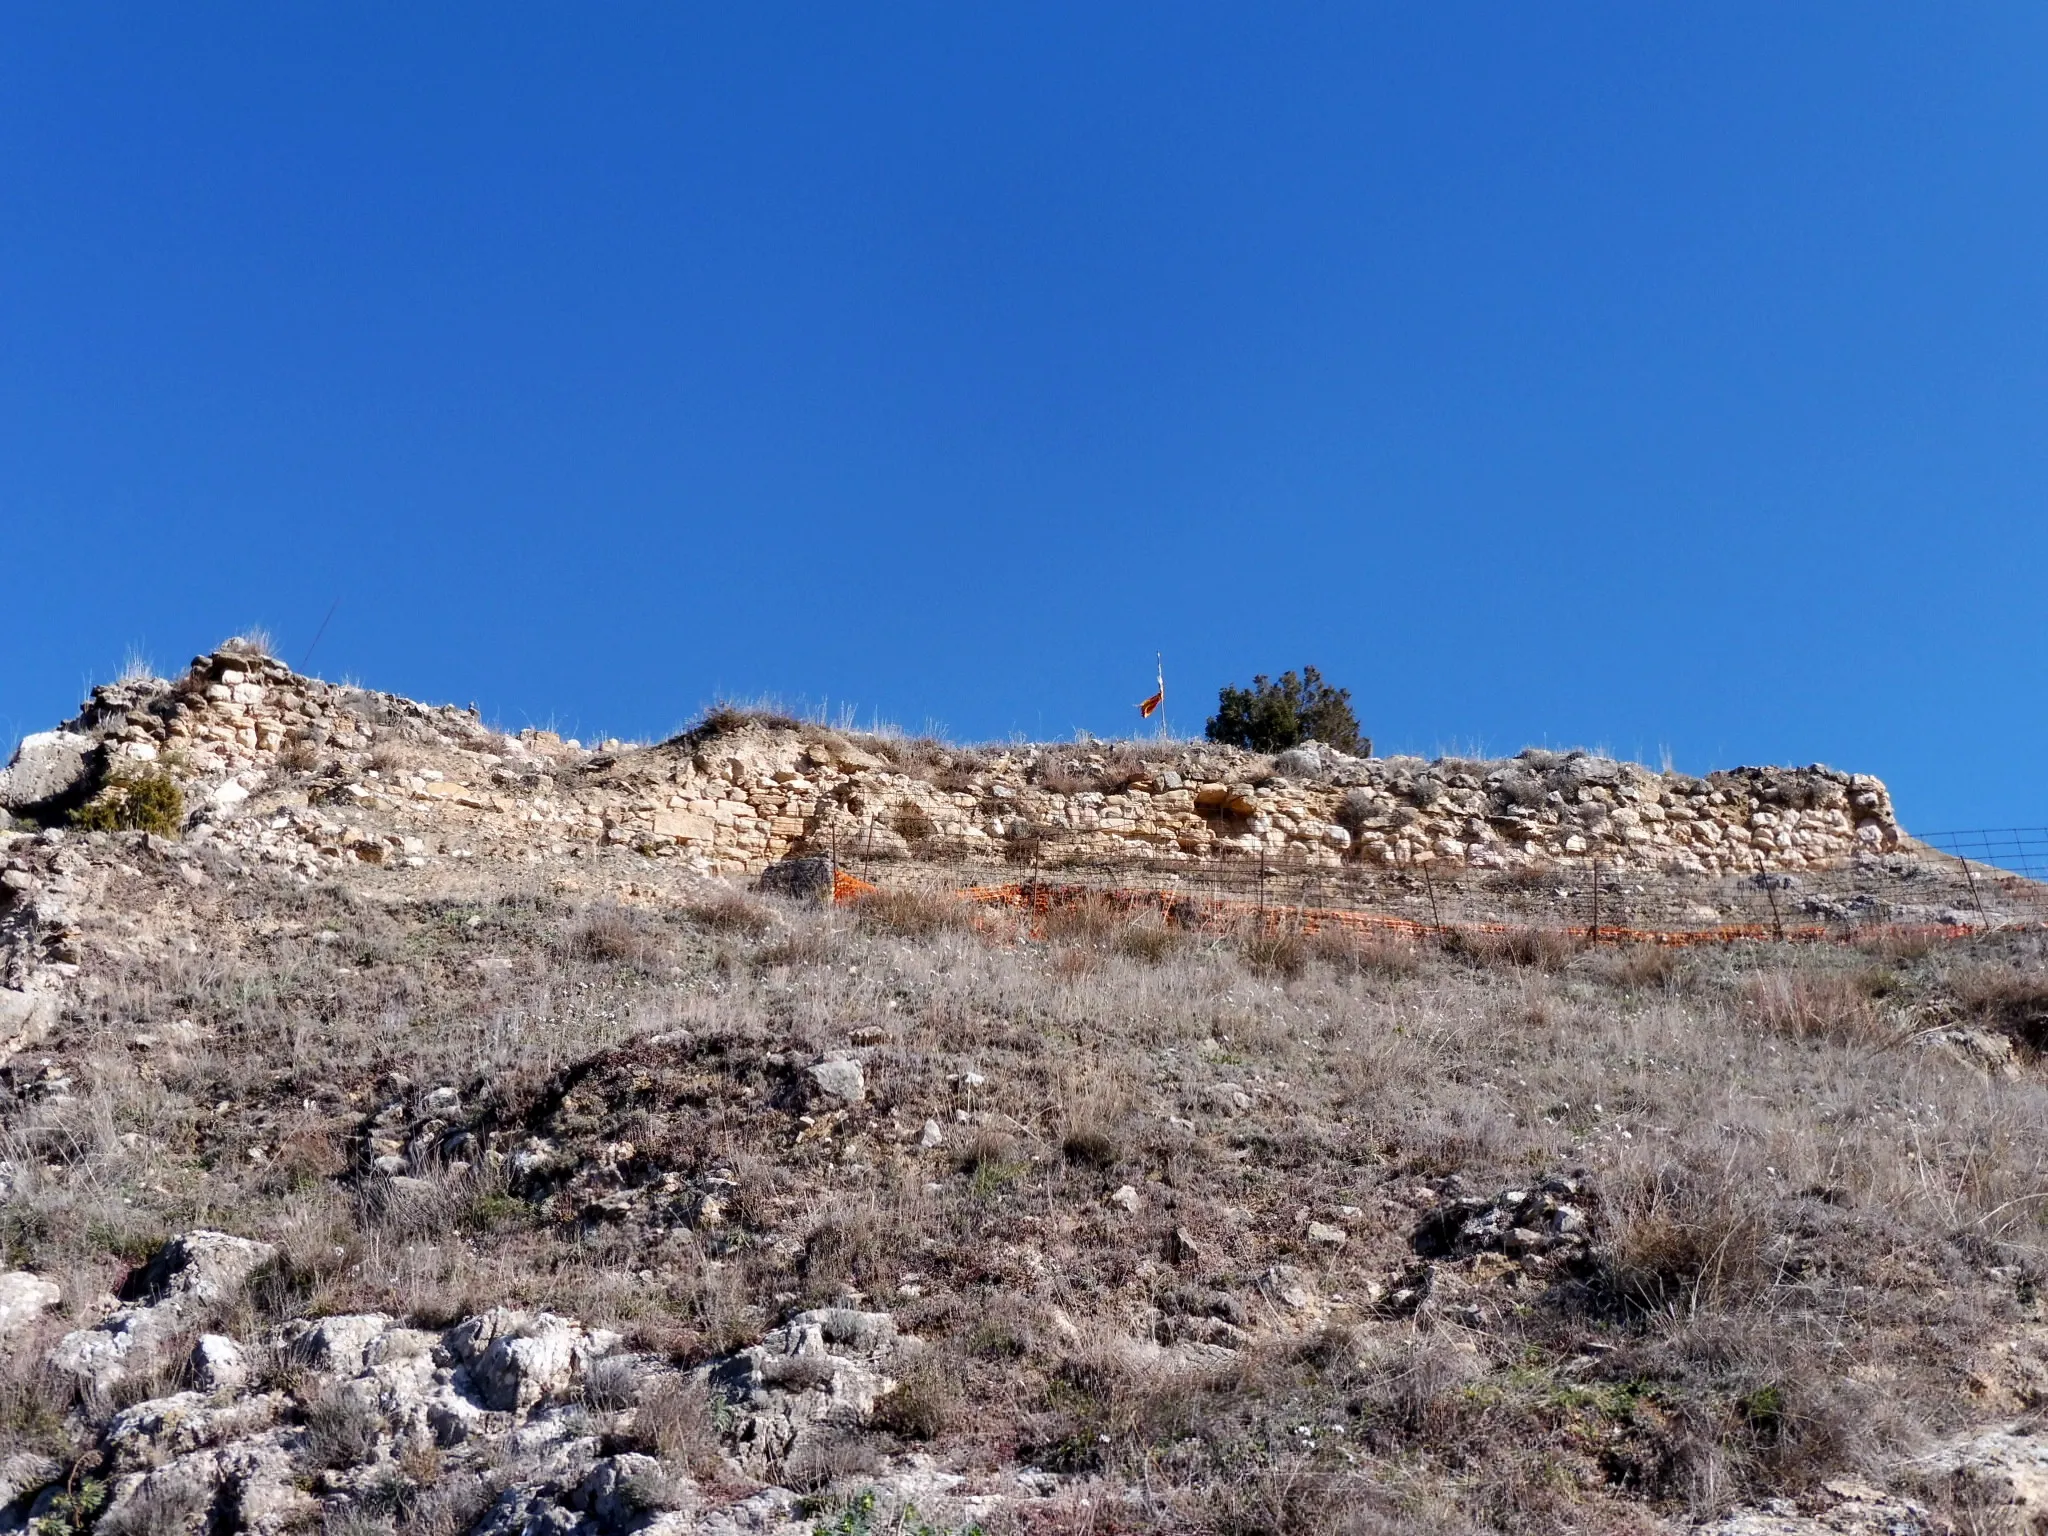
(349, 775)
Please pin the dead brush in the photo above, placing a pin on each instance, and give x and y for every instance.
(1149, 937)
(911, 914)
(1068, 774)
(2010, 999)
(913, 824)
(925, 1402)
(1683, 1241)
(1277, 951)
(1536, 949)
(1093, 920)
(1349, 952)
(610, 935)
(1828, 1006)
(846, 1249)
(1099, 923)
(36, 1402)
(1895, 945)
(814, 945)
(730, 913)
(342, 1430)
(1639, 967)
(1094, 1118)
(675, 1420)
(1523, 880)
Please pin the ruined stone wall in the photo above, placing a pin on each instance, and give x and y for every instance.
(345, 773)
(758, 795)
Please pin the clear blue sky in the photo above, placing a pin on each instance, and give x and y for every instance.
(1663, 378)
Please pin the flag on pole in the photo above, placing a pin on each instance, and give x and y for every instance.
(1147, 709)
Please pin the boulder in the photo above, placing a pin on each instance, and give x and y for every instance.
(1841, 1508)
(817, 1376)
(203, 1265)
(51, 771)
(337, 1344)
(806, 879)
(23, 1472)
(516, 1360)
(839, 1077)
(190, 1275)
(25, 1017)
(23, 1298)
(2004, 1469)
(218, 1364)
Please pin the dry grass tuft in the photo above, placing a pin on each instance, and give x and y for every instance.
(611, 934)
(1640, 967)
(911, 914)
(1539, 949)
(1350, 953)
(2014, 999)
(1278, 951)
(1820, 1006)
(926, 1401)
(731, 913)
(675, 1420)
(1107, 926)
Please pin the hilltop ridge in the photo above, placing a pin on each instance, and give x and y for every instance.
(741, 791)
(413, 1129)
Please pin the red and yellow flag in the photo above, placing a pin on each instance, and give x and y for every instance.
(1149, 706)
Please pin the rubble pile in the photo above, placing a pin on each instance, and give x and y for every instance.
(507, 1422)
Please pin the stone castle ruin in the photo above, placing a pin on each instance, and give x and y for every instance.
(303, 772)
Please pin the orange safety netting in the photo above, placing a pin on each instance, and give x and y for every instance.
(1224, 914)
(847, 887)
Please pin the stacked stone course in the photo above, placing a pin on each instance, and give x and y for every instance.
(390, 780)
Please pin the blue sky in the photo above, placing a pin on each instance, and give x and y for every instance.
(1665, 379)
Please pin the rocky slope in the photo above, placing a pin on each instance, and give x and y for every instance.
(416, 1137)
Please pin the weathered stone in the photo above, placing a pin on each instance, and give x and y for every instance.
(24, 1298)
(51, 770)
(189, 1275)
(218, 1364)
(839, 1077)
(806, 879)
(25, 1017)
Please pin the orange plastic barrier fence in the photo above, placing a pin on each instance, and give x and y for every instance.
(847, 887)
(1226, 913)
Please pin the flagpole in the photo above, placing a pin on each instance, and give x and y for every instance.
(1157, 703)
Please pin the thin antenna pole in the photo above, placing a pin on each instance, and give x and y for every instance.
(318, 634)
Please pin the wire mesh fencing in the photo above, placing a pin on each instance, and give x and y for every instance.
(1965, 883)
(2021, 851)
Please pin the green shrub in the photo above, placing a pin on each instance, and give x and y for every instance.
(1271, 717)
(145, 801)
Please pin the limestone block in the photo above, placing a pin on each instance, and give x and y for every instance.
(46, 766)
(684, 826)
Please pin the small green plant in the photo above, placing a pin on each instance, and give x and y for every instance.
(148, 800)
(1271, 717)
(858, 1517)
(1764, 1411)
(74, 1509)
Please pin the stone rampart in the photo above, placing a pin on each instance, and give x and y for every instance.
(731, 799)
